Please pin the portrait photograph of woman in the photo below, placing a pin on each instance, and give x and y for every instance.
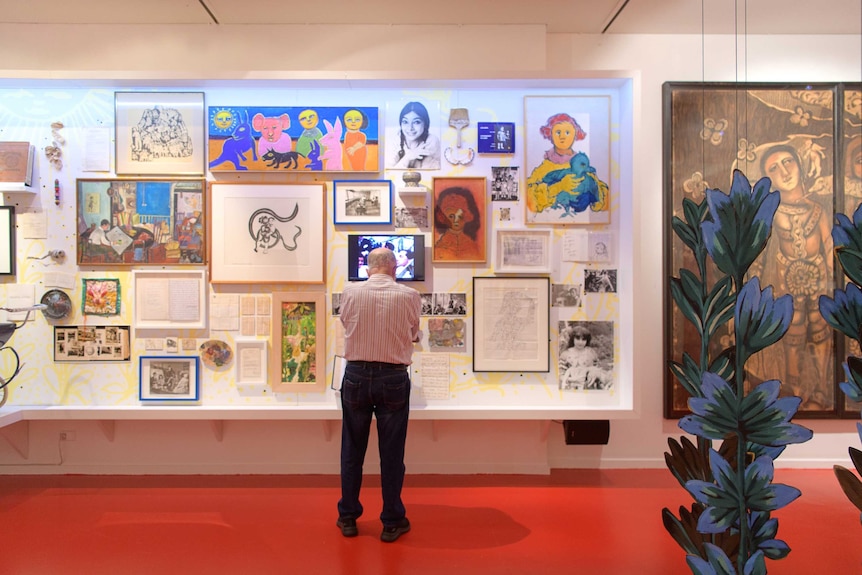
(413, 135)
(459, 213)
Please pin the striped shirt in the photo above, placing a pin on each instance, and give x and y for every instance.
(381, 320)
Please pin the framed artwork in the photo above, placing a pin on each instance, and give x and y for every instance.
(413, 135)
(85, 343)
(297, 139)
(586, 355)
(268, 233)
(159, 133)
(459, 220)
(100, 296)
(298, 324)
(7, 241)
(169, 299)
(140, 222)
(798, 135)
(522, 251)
(169, 378)
(567, 159)
(511, 324)
(362, 201)
(251, 361)
(496, 137)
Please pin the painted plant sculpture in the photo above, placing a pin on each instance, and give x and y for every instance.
(728, 529)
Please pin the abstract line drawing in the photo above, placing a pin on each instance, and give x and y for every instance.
(266, 233)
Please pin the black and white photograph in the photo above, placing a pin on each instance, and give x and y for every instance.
(427, 303)
(413, 135)
(505, 214)
(600, 281)
(362, 201)
(411, 217)
(88, 343)
(336, 303)
(169, 378)
(566, 295)
(586, 355)
(450, 304)
(504, 184)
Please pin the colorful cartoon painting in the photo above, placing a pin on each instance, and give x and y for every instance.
(275, 139)
(140, 222)
(100, 297)
(567, 159)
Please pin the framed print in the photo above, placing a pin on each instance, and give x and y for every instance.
(459, 220)
(586, 355)
(496, 137)
(159, 133)
(567, 159)
(100, 296)
(140, 222)
(169, 299)
(298, 324)
(522, 251)
(297, 139)
(7, 241)
(786, 132)
(85, 343)
(413, 135)
(169, 378)
(268, 233)
(511, 324)
(362, 201)
(251, 361)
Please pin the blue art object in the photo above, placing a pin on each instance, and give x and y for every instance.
(728, 528)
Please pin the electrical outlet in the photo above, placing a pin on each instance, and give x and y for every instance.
(67, 436)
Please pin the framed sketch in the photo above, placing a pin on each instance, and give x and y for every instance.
(362, 201)
(268, 233)
(159, 133)
(511, 324)
(567, 159)
(413, 135)
(522, 251)
(459, 219)
(251, 361)
(786, 132)
(86, 343)
(100, 296)
(140, 222)
(169, 299)
(298, 325)
(7, 241)
(169, 378)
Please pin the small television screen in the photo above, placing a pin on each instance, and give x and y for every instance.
(409, 255)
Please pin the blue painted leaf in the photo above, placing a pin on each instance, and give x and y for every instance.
(713, 415)
(718, 560)
(774, 548)
(687, 374)
(718, 306)
(760, 320)
(851, 263)
(699, 566)
(756, 565)
(843, 311)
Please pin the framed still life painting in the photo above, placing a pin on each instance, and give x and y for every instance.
(567, 159)
(459, 220)
(268, 233)
(802, 137)
(298, 329)
(159, 133)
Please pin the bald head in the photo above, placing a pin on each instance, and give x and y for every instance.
(381, 261)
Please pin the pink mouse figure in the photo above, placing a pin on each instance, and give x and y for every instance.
(331, 142)
(273, 134)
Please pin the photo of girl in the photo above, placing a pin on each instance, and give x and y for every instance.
(412, 144)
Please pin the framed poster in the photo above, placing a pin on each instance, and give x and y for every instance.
(169, 378)
(268, 233)
(786, 132)
(496, 137)
(140, 222)
(511, 324)
(159, 133)
(169, 299)
(567, 159)
(298, 324)
(362, 201)
(413, 135)
(86, 343)
(7, 241)
(459, 220)
(297, 139)
(522, 251)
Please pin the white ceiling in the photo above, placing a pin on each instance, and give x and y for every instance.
(559, 16)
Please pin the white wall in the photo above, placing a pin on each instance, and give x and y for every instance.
(187, 52)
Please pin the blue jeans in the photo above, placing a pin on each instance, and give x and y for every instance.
(384, 392)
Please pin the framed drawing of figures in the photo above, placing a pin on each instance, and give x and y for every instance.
(459, 218)
(268, 233)
(362, 201)
(567, 159)
(788, 134)
(159, 133)
(140, 222)
(298, 325)
(169, 378)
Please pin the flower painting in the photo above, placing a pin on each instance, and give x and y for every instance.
(101, 297)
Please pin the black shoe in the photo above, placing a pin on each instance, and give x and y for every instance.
(391, 534)
(347, 526)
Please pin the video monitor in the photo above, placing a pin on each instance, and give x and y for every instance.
(409, 255)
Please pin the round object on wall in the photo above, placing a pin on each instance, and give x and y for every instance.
(58, 303)
(215, 353)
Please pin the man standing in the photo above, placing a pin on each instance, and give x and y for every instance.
(381, 323)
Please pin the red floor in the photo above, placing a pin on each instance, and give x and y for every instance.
(574, 521)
